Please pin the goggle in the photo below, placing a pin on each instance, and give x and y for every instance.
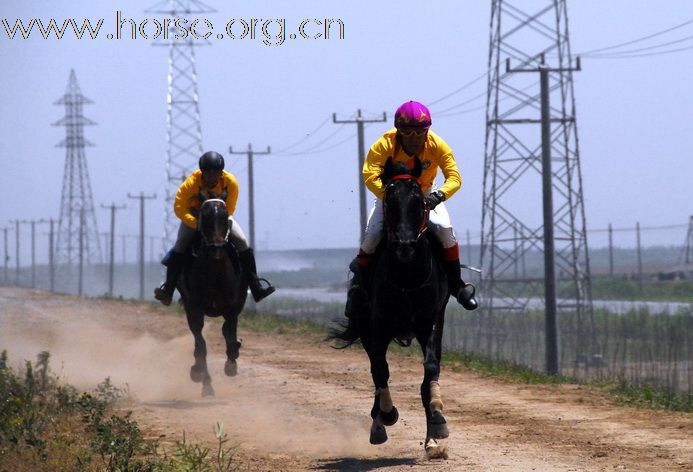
(418, 132)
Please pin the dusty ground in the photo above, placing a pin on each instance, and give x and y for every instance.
(297, 404)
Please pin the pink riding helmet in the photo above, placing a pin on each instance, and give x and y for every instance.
(412, 115)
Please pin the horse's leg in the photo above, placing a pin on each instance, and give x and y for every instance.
(436, 426)
(233, 345)
(198, 371)
(383, 412)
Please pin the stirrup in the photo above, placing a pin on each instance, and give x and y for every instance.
(269, 285)
(259, 292)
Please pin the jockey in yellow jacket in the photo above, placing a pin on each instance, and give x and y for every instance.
(210, 181)
(412, 138)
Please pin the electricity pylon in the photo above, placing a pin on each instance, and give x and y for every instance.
(183, 130)
(78, 235)
(532, 163)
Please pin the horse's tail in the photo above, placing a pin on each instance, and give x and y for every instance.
(346, 333)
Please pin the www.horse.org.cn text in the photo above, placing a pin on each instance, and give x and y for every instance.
(270, 32)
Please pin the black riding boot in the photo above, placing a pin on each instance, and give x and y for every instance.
(165, 293)
(259, 292)
(357, 296)
(463, 292)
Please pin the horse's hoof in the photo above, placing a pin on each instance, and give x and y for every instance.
(378, 433)
(390, 417)
(437, 427)
(197, 373)
(207, 390)
(435, 449)
(231, 368)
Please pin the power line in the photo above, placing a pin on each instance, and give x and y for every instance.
(637, 40)
(317, 151)
(633, 56)
(456, 91)
(305, 138)
(315, 146)
(631, 51)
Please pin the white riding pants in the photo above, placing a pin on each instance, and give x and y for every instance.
(187, 234)
(438, 222)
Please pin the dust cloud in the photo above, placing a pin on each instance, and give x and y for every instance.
(90, 340)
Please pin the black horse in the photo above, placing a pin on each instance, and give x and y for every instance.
(213, 284)
(408, 293)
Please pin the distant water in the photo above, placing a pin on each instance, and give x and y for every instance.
(615, 306)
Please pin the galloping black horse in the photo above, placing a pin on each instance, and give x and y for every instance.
(213, 284)
(408, 293)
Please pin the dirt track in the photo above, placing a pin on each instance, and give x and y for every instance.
(297, 405)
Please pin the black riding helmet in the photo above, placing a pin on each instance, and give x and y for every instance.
(211, 161)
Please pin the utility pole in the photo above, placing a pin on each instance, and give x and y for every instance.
(16, 241)
(51, 252)
(611, 251)
(361, 158)
(113, 207)
(142, 197)
(80, 277)
(551, 322)
(7, 257)
(637, 236)
(688, 257)
(33, 249)
(251, 194)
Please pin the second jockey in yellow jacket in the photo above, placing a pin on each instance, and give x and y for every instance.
(193, 192)
(210, 181)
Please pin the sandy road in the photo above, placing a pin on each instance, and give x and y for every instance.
(297, 404)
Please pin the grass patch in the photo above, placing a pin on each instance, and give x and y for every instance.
(501, 369)
(646, 396)
(46, 425)
(270, 323)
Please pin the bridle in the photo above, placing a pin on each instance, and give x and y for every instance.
(424, 220)
(206, 242)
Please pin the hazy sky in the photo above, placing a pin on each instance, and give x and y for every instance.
(634, 114)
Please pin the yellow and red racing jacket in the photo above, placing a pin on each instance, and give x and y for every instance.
(436, 153)
(192, 193)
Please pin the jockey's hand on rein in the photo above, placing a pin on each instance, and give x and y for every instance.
(433, 199)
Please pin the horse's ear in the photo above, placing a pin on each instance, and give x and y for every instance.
(416, 170)
(388, 171)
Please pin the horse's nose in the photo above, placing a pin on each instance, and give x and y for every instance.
(405, 252)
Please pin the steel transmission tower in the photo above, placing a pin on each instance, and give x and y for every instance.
(183, 131)
(517, 151)
(78, 235)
